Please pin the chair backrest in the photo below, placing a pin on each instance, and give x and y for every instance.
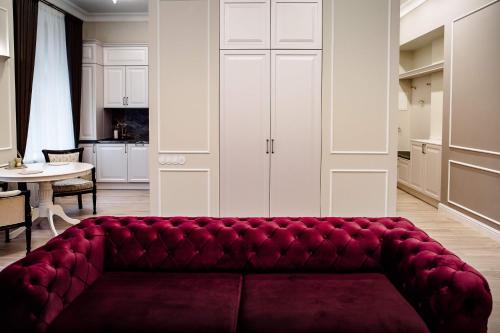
(68, 155)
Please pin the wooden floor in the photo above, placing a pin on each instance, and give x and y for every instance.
(472, 244)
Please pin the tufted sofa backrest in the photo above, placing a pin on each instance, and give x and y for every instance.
(246, 245)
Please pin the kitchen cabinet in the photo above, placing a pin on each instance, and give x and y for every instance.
(404, 171)
(114, 87)
(92, 53)
(111, 163)
(126, 86)
(432, 171)
(95, 122)
(136, 86)
(425, 168)
(89, 153)
(123, 55)
(118, 162)
(296, 24)
(137, 163)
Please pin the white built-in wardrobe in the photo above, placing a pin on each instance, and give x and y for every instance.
(270, 107)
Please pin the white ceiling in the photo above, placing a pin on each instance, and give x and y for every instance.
(107, 6)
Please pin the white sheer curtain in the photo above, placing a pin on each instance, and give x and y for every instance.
(51, 120)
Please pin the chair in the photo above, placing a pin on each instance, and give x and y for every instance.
(76, 186)
(15, 212)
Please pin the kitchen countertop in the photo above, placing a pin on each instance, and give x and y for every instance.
(114, 141)
(429, 141)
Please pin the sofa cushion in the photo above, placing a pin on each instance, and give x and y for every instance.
(325, 303)
(154, 302)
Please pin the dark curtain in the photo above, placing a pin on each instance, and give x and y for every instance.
(25, 24)
(74, 52)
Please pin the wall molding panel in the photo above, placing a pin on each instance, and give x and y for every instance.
(164, 143)
(387, 108)
(472, 166)
(452, 63)
(188, 190)
(358, 191)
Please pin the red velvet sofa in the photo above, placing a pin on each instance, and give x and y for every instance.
(275, 275)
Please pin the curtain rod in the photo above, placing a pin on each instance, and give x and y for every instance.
(54, 6)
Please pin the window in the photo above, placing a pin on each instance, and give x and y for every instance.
(51, 120)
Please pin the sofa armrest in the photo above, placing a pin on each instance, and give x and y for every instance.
(450, 295)
(35, 289)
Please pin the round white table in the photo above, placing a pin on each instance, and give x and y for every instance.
(49, 174)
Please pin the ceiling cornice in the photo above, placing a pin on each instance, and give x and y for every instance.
(409, 6)
(117, 17)
(85, 16)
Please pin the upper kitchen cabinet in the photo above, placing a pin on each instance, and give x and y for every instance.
(92, 53)
(125, 77)
(115, 87)
(245, 24)
(296, 24)
(136, 86)
(125, 55)
(95, 123)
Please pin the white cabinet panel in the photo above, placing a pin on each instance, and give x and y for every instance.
(432, 171)
(426, 168)
(296, 24)
(245, 133)
(417, 165)
(111, 163)
(125, 55)
(138, 156)
(244, 24)
(88, 105)
(296, 133)
(403, 170)
(114, 86)
(136, 92)
(91, 53)
(89, 153)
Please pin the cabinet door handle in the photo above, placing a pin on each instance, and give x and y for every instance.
(127, 100)
(125, 149)
(93, 149)
(272, 146)
(423, 148)
(123, 101)
(267, 146)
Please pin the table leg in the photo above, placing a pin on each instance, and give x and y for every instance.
(46, 207)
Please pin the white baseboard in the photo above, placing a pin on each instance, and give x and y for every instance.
(463, 218)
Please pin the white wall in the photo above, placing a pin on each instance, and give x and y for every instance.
(434, 14)
(8, 145)
(360, 102)
(360, 95)
(116, 32)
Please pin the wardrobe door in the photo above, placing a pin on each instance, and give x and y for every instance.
(245, 24)
(295, 132)
(296, 24)
(244, 133)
